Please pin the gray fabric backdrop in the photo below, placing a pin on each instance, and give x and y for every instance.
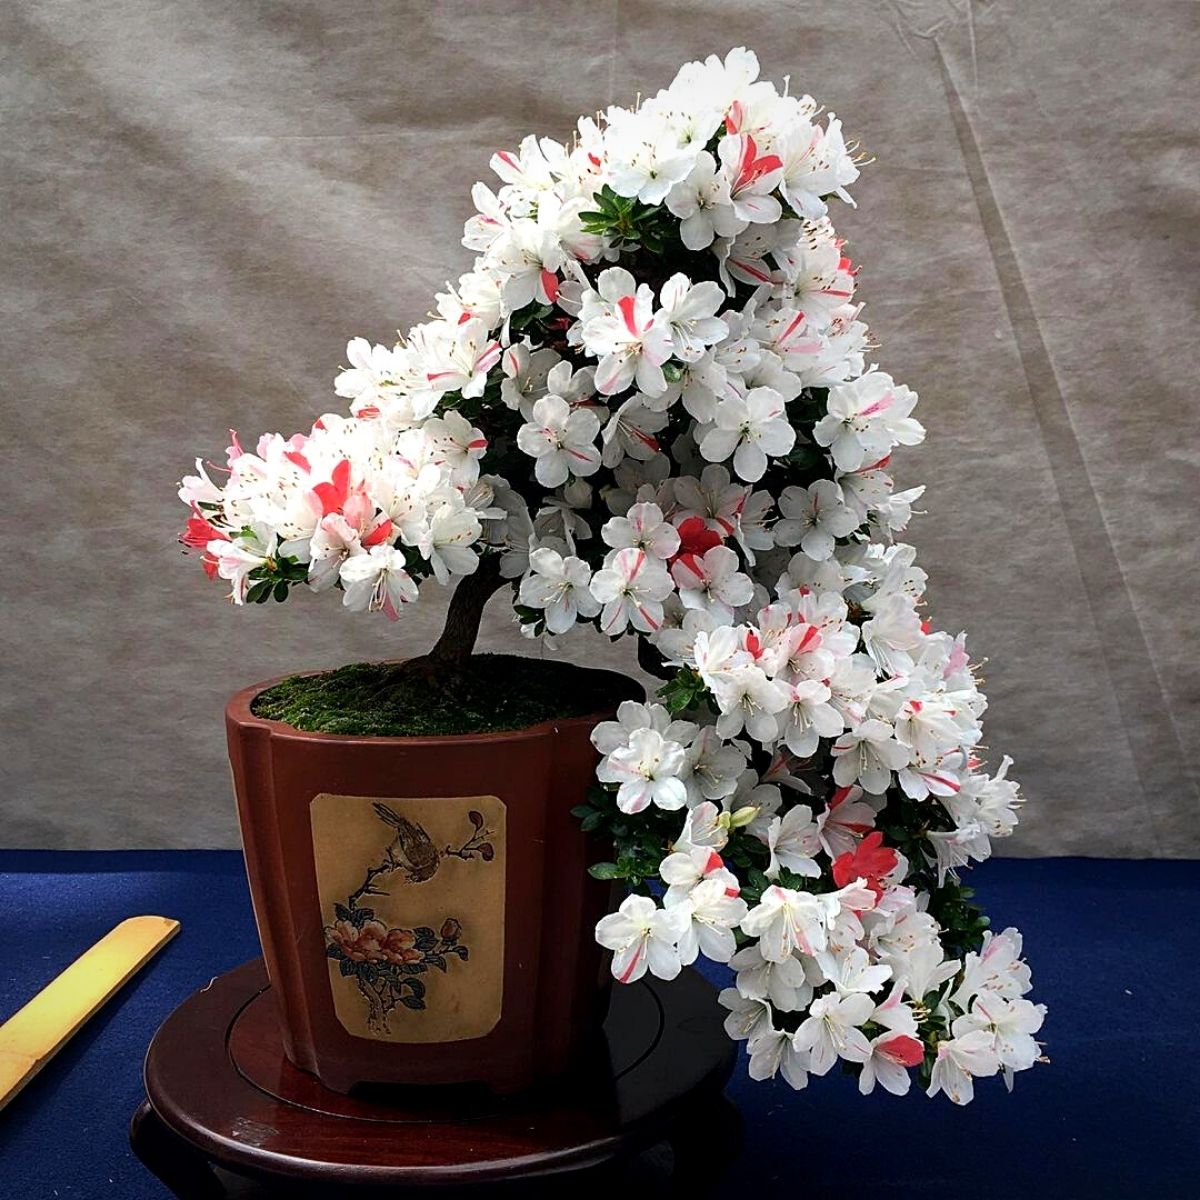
(202, 201)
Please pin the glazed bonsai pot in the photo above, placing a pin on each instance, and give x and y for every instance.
(423, 903)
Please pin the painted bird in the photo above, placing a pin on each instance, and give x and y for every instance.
(413, 850)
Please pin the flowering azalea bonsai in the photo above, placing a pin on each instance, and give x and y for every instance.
(647, 408)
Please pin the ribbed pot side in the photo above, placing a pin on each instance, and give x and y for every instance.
(423, 903)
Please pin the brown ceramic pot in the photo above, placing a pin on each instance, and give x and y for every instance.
(423, 903)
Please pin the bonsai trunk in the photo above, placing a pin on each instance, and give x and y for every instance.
(465, 612)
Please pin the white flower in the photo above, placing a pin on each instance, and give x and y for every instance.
(648, 771)
(561, 440)
(642, 936)
(1012, 1023)
(748, 700)
(713, 767)
(371, 374)
(750, 428)
(852, 971)
(959, 1061)
(813, 518)
(712, 582)
(779, 1052)
(808, 717)
(683, 869)
(333, 541)
(705, 827)
(865, 419)
(957, 847)
(646, 159)
(377, 580)
(867, 755)
(747, 1017)
(785, 921)
(561, 587)
(236, 558)
(702, 202)
(446, 543)
(643, 528)
(526, 376)
(632, 587)
(785, 983)
(689, 312)
(815, 164)
(713, 913)
(893, 633)
(996, 969)
(632, 716)
(793, 840)
(831, 1030)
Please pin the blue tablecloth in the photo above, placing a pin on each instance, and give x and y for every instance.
(1115, 1114)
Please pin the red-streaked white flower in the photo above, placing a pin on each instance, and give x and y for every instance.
(712, 582)
(631, 586)
(562, 440)
(752, 177)
(866, 419)
(629, 339)
(785, 921)
(642, 937)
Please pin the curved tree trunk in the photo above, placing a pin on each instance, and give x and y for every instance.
(463, 616)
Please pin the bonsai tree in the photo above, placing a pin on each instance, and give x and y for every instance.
(647, 408)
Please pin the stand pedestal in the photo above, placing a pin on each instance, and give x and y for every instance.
(220, 1092)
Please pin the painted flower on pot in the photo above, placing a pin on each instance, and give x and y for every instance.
(648, 408)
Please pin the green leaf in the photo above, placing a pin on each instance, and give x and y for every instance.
(605, 870)
(259, 592)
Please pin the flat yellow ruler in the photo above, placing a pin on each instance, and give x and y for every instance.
(31, 1037)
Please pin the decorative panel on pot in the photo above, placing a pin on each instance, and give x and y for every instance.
(412, 893)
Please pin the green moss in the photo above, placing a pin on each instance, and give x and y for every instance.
(493, 692)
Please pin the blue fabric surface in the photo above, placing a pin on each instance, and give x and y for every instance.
(1113, 951)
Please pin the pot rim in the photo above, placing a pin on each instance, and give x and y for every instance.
(238, 711)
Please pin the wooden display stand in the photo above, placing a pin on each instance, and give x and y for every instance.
(220, 1092)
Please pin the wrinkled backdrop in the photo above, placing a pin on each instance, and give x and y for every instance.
(203, 200)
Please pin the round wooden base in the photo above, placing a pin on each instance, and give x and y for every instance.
(221, 1092)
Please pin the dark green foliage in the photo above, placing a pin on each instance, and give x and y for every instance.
(494, 692)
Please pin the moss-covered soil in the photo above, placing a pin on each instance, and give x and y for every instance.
(493, 692)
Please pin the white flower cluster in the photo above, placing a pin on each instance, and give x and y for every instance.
(658, 363)
(351, 504)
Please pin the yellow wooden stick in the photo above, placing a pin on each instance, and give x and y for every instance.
(31, 1037)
